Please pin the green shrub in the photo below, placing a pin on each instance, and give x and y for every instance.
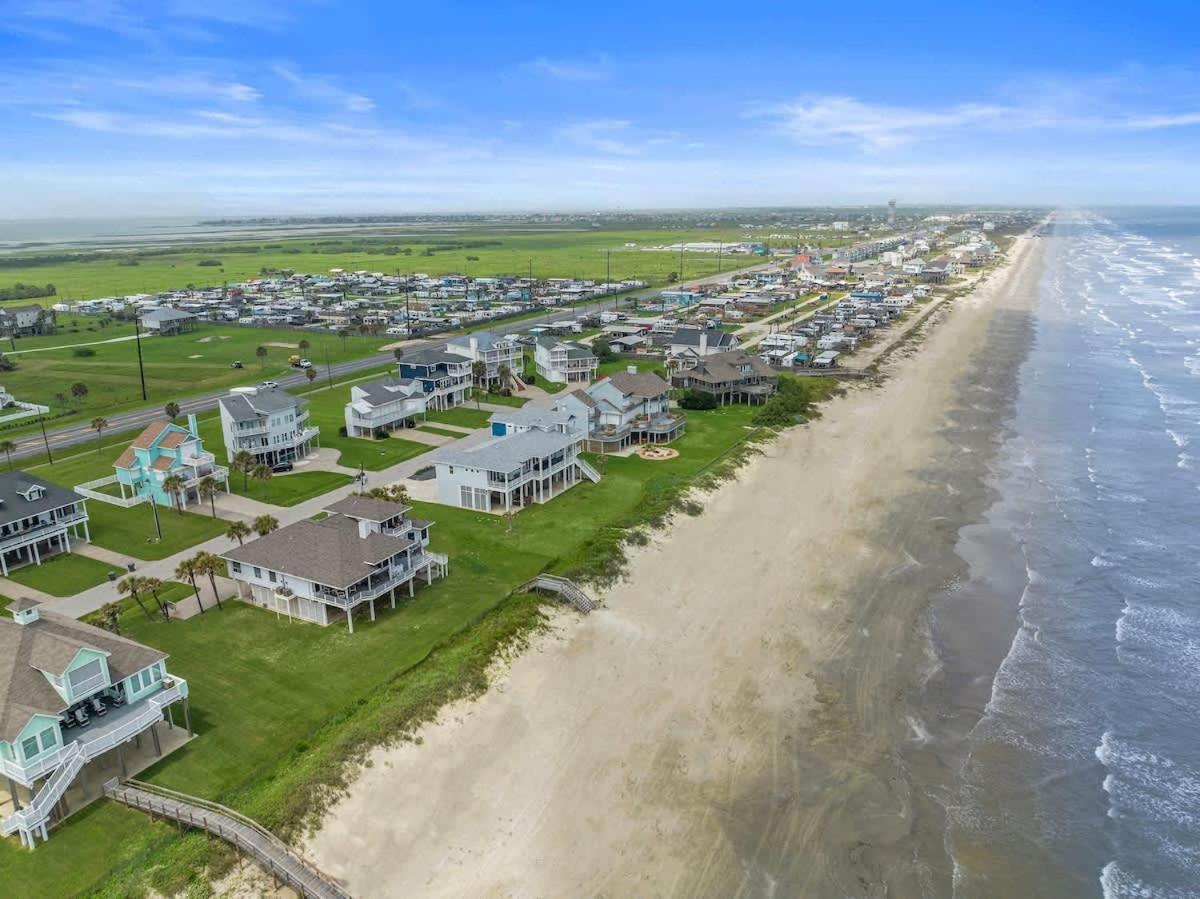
(697, 399)
(83, 352)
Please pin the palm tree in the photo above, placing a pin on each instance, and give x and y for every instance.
(173, 484)
(110, 617)
(505, 376)
(208, 488)
(98, 425)
(172, 410)
(343, 333)
(237, 530)
(186, 570)
(208, 564)
(479, 374)
(261, 353)
(243, 461)
(303, 346)
(262, 473)
(133, 585)
(153, 584)
(79, 390)
(7, 447)
(264, 524)
(397, 353)
(311, 374)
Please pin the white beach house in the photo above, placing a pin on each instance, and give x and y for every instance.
(564, 362)
(37, 519)
(384, 405)
(269, 423)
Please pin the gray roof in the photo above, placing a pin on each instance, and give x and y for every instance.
(165, 315)
(328, 552)
(506, 453)
(691, 337)
(50, 643)
(14, 506)
(385, 390)
(368, 508)
(485, 341)
(546, 419)
(249, 406)
(431, 357)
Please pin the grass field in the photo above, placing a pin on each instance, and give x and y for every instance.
(266, 748)
(444, 432)
(288, 489)
(554, 254)
(462, 416)
(63, 574)
(176, 367)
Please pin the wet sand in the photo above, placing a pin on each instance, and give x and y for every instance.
(732, 722)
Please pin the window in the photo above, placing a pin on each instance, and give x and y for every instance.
(465, 497)
(257, 571)
(156, 673)
(271, 576)
(48, 738)
(236, 567)
(29, 748)
(86, 678)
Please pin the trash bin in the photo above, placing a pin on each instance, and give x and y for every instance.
(112, 575)
(131, 566)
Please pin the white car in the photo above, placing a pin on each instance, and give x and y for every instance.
(269, 385)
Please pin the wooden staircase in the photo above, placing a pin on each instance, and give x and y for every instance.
(562, 587)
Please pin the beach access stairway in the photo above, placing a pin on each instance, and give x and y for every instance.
(587, 470)
(283, 863)
(30, 822)
(566, 589)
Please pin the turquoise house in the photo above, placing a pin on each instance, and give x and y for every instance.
(73, 698)
(162, 450)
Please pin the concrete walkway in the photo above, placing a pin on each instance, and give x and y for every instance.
(12, 590)
(99, 553)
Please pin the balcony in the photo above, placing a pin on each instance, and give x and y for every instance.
(39, 531)
(372, 588)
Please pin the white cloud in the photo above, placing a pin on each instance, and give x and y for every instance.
(570, 69)
(601, 135)
(323, 90)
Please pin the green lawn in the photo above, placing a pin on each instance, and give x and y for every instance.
(131, 531)
(176, 367)
(263, 745)
(462, 416)
(327, 411)
(642, 364)
(444, 432)
(500, 399)
(288, 489)
(551, 386)
(63, 574)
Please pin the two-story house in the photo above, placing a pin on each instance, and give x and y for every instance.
(323, 571)
(37, 519)
(164, 449)
(267, 422)
(384, 405)
(70, 693)
(445, 377)
(23, 321)
(167, 321)
(625, 408)
(564, 362)
(494, 352)
(528, 461)
(687, 345)
(730, 377)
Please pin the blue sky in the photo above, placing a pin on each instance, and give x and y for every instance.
(209, 107)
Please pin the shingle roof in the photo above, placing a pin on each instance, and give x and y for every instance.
(720, 368)
(368, 508)
(431, 357)
(638, 383)
(389, 390)
(691, 337)
(51, 642)
(165, 315)
(249, 406)
(326, 552)
(14, 506)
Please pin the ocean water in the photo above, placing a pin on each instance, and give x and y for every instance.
(1073, 756)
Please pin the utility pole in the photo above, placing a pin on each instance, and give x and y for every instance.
(681, 262)
(720, 250)
(45, 440)
(154, 512)
(328, 367)
(137, 331)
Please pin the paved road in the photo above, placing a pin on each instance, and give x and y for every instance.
(61, 438)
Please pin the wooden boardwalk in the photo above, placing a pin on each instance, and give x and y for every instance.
(275, 857)
(566, 589)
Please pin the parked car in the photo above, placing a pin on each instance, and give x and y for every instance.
(280, 467)
(236, 363)
(269, 385)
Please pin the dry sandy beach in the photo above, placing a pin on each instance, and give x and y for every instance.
(730, 722)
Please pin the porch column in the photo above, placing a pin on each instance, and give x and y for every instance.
(187, 716)
(154, 738)
(37, 557)
(14, 793)
(410, 586)
(372, 610)
(121, 760)
(392, 596)
(350, 619)
(87, 534)
(3, 564)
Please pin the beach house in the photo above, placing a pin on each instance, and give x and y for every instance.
(564, 362)
(324, 571)
(381, 406)
(163, 451)
(24, 321)
(270, 424)
(731, 377)
(444, 377)
(37, 519)
(494, 352)
(686, 345)
(70, 694)
(532, 458)
(623, 409)
(167, 321)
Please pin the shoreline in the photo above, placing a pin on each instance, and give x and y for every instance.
(743, 691)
